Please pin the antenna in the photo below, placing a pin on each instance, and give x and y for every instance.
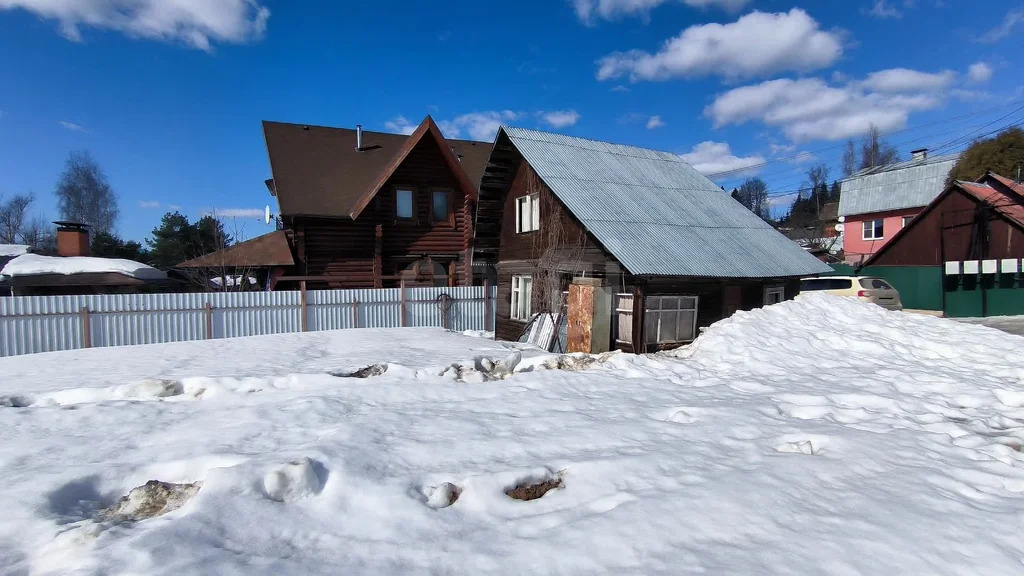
(267, 215)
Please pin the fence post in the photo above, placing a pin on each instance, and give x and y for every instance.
(86, 328)
(208, 314)
(355, 311)
(302, 304)
(401, 311)
(487, 304)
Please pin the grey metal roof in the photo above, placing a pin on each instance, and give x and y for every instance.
(902, 185)
(656, 214)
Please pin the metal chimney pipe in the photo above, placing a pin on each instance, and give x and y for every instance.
(359, 136)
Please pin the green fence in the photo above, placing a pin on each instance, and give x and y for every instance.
(970, 295)
(966, 295)
(920, 287)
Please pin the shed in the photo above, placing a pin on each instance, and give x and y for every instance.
(678, 252)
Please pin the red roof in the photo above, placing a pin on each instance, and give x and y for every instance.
(1007, 204)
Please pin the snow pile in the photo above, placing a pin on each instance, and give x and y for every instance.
(13, 249)
(816, 436)
(233, 281)
(34, 264)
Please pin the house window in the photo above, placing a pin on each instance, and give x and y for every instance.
(873, 229)
(440, 206)
(774, 294)
(522, 289)
(403, 204)
(906, 220)
(528, 213)
(671, 319)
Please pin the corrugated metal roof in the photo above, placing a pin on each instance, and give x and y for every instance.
(902, 185)
(656, 214)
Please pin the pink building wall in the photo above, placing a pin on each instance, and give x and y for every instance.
(855, 248)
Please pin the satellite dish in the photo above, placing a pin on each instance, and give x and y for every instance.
(266, 214)
(840, 227)
(841, 218)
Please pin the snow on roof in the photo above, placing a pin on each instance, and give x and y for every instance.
(13, 249)
(35, 265)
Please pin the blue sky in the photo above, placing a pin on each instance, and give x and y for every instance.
(168, 95)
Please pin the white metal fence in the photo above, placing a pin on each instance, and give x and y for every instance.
(30, 324)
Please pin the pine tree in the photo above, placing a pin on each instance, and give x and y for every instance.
(1003, 154)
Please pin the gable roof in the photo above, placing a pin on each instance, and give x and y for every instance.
(270, 249)
(896, 186)
(655, 213)
(317, 170)
(1006, 203)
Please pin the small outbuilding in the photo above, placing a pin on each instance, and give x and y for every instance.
(664, 251)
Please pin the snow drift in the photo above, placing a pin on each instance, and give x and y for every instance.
(816, 436)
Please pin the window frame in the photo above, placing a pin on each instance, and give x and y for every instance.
(880, 229)
(517, 311)
(779, 289)
(449, 219)
(413, 193)
(652, 315)
(532, 201)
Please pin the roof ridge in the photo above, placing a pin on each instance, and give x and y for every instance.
(673, 154)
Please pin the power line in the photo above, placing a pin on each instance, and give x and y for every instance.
(835, 146)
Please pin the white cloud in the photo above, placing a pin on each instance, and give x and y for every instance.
(882, 9)
(400, 125)
(906, 80)
(710, 158)
(979, 72)
(655, 122)
(194, 22)
(758, 44)
(237, 212)
(70, 125)
(560, 118)
(1012, 18)
(589, 10)
(478, 125)
(148, 204)
(619, 88)
(173, 207)
(810, 109)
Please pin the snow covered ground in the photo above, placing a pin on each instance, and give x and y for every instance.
(811, 437)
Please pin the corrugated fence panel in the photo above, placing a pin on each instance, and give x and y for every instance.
(30, 324)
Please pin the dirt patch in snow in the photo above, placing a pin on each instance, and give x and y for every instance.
(153, 499)
(532, 490)
(364, 372)
(15, 401)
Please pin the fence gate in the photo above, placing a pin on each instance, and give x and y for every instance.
(624, 318)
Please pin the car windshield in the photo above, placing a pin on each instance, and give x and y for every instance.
(825, 284)
(875, 283)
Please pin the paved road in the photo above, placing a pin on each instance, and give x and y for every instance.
(1010, 324)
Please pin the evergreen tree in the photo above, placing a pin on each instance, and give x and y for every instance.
(107, 245)
(1003, 154)
(172, 241)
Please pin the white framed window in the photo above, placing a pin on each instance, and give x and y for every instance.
(522, 291)
(906, 220)
(527, 213)
(873, 229)
(670, 319)
(774, 294)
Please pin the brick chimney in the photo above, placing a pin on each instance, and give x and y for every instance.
(72, 239)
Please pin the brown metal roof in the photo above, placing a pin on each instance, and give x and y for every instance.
(270, 249)
(317, 170)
